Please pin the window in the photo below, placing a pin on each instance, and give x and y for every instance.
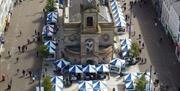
(89, 21)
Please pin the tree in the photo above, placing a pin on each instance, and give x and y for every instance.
(50, 6)
(43, 51)
(134, 51)
(141, 83)
(47, 83)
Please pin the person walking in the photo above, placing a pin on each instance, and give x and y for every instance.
(30, 73)
(9, 87)
(23, 72)
(37, 54)
(20, 33)
(23, 48)
(35, 32)
(9, 54)
(19, 48)
(139, 36)
(33, 78)
(3, 77)
(17, 59)
(17, 71)
(28, 41)
(142, 45)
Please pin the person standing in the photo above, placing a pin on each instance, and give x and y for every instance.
(9, 54)
(20, 33)
(23, 72)
(35, 32)
(17, 71)
(17, 59)
(19, 48)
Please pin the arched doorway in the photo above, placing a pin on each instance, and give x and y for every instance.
(92, 62)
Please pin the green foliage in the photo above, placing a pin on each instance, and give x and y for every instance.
(47, 83)
(50, 6)
(141, 83)
(43, 51)
(134, 51)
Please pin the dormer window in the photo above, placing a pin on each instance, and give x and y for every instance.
(89, 21)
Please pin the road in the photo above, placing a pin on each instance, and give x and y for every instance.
(26, 17)
(160, 55)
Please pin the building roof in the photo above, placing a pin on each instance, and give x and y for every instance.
(176, 6)
(75, 15)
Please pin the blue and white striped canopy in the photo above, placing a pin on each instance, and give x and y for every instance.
(50, 46)
(129, 85)
(89, 69)
(57, 87)
(48, 30)
(61, 63)
(118, 15)
(130, 77)
(57, 82)
(125, 42)
(75, 69)
(52, 17)
(117, 62)
(84, 85)
(101, 68)
(98, 85)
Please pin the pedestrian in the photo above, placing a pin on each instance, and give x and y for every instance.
(160, 40)
(9, 87)
(9, 54)
(140, 50)
(10, 82)
(17, 71)
(139, 36)
(17, 59)
(30, 73)
(35, 32)
(145, 60)
(19, 48)
(142, 45)
(20, 33)
(3, 77)
(33, 79)
(37, 54)
(28, 41)
(38, 34)
(23, 72)
(139, 42)
(25, 46)
(155, 24)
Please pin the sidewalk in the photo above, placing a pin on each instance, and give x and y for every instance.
(160, 55)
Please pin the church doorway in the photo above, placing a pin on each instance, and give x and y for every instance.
(92, 62)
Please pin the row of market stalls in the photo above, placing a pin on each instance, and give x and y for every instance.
(125, 46)
(118, 17)
(99, 68)
(93, 85)
(130, 80)
(57, 83)
(49, 30)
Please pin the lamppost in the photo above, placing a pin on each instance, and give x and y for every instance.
(130, 21)
(150, 78)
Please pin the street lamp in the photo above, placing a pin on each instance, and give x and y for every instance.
(150, 78)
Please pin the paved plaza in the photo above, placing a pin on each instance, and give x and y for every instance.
(26, 17)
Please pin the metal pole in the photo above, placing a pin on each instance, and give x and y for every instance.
(129, 30)
(150, 78)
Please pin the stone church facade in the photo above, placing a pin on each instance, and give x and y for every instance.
(88, 31)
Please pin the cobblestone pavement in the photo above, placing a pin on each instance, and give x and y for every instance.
(26, 17)
(160, 55)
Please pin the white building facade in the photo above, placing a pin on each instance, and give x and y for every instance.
(174, 25)
(165, 16)
(5, 12)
